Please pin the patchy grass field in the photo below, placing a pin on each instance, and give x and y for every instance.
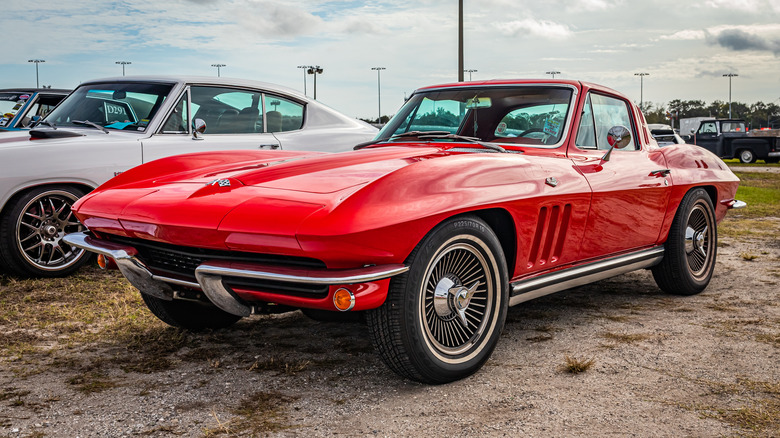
(83, 357)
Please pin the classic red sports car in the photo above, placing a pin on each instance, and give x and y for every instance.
(475, 197)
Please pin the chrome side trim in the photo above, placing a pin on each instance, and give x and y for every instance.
(546, 284)
(133, 269)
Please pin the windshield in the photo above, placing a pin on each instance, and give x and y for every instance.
(527, 115)
(11, 103)
(125, 106)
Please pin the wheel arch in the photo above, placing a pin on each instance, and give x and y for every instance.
(8, 203)
(500, 221)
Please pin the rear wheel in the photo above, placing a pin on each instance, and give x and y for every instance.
(747, 156)
(31, 231)
(442, 319)
(691, 248)
(190, 315)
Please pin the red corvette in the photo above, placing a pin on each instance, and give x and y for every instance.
(475, 197)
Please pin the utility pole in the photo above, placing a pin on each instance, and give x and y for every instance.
(641, 89)
(460, 40)
(730, 75)
(379, 91)
(37, 61)
(123, 64)
(218, 66)
(553, 73)
(314, 70)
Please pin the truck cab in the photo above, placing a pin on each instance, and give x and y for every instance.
(729, 138)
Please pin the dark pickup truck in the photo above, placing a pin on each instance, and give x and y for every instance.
(728, 138)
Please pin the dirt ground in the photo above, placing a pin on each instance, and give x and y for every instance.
(663, 366)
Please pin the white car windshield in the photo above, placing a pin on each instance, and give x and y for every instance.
(522, 115)
(120, 106)
(10, 103)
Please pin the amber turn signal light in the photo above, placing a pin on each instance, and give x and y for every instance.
(102, 261)
(343, 299)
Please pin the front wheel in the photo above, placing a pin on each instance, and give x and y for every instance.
(31, 231)
(747, 156)
(442, 319)
(691, 248)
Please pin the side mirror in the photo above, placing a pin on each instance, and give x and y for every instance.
(618, 137)
(34, 121)
(198, 127)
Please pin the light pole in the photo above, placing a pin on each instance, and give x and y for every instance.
(379, 91)
(314, 70)
(460, 40)
(123, 63)
(36, 61)
(470, 71)
(553, 73)
(641, 89)
(218, 66)
(304, 67)
(730, 75)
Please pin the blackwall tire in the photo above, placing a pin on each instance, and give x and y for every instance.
(31, 231)
(442, 319)
(190, 315)
(691, 248)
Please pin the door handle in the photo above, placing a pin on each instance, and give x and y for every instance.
(660, 172)
(268, 146)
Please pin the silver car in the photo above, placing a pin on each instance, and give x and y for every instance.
(107, 126)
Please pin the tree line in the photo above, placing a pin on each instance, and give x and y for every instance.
(757, 115)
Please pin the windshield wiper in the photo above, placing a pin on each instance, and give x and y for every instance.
(449, 136)
(88, 123)
(405, 134)
(47, 123)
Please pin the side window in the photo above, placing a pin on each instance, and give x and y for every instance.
(708, 128)
(586, 134)
(178, 121)
(282, 114)
(609, 112)
(227, 110)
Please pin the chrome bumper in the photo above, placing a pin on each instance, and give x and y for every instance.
(209, 275)
(733, 203)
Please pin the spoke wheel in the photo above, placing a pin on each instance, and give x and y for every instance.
(32, 232)
(442, 319)
(691, 248)
(457, 301)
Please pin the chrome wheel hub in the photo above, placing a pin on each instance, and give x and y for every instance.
(40, 228)
(452, 300)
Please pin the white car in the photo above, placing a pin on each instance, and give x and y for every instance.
(107, 126)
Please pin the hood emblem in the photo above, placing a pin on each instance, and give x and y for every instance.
(220, 182)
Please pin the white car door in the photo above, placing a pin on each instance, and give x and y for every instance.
(234, 119)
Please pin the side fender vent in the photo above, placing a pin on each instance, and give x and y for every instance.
(550, 235)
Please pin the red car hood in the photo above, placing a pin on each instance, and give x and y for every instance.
(261, 200)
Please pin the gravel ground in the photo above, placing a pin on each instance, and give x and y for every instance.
(663, 366)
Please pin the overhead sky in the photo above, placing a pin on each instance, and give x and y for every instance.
(685, 46)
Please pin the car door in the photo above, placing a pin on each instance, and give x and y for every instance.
(707, 137)
(234, 118)
(630, 192)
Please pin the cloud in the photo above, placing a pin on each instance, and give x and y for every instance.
(714, 73)
(685, 35)
(739, 40)
(538, 28)
(276, 19)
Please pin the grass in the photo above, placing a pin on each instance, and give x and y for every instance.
(735, 162)
(625, 338)
(577, 366)
(761, 191)
(256, 415)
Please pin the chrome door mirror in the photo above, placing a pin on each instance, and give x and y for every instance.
(198, 127)
(618, 137)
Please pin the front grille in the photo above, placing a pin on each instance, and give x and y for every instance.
(180, 262)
